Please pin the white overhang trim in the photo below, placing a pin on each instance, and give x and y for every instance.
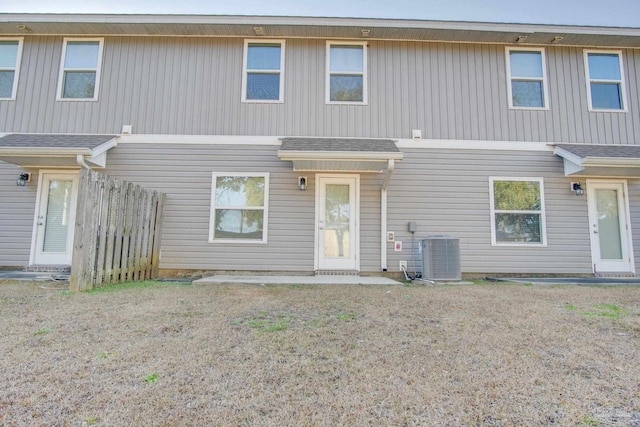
(292, 155)
(76, 155)
(574, 164)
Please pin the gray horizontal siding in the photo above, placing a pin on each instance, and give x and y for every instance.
(444, 191)
(17, 206)
(447, 192)
(192, 86)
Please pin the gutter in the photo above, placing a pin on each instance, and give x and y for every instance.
(82, 163)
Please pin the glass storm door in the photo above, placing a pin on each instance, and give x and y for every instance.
(337, 222)
(610, 234)
(55, 219)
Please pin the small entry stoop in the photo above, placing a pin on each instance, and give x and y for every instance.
(61, 269)
(352, 273)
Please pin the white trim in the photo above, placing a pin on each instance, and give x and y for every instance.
(493, 211)
(97, 70)
(16, 68)
(264, 208)
(328, 72)
(543, 79)
(39, 197)
(591, 185)
(356, 213)
(383, 229)
(467, 144)
(454, 144)
(621, 82)
(200, 139)
(280, 71)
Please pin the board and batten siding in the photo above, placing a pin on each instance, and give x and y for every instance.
(446, 192)
(192, 86)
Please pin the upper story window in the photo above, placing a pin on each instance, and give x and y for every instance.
(239, 207)
(527, 75)
(605, 80)
(346, 72)
(263, 71)
(517, 211)
(80, 69)
(10, 54)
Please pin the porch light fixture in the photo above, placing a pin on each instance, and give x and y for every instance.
(23, 178)
(522, 38)
(576, 188)
(302, 183)
(557, 39)
(365, 32)
(259, 31)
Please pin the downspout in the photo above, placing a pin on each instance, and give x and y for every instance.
(81, 162)
(383, 215)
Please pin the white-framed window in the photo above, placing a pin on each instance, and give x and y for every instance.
(10, 56)
(80, 66)
(605, 80)
(527, 76)
(263, 71)
(346, 72)
(239, 207)
(517, 211)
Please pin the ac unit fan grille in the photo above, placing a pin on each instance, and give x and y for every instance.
(441, 258)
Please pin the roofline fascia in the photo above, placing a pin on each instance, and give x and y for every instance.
(292, 155)
(314, 21)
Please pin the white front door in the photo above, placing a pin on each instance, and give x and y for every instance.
(55, 218)
(337, 214)
(609, 226)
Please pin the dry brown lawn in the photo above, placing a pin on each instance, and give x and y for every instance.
(176, 354)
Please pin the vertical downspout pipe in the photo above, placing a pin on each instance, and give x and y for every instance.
(383, 215)
(81, 162)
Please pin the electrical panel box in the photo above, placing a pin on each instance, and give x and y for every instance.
(412, 226)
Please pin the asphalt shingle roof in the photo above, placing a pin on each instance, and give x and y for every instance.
(591, 150)
(339, 144)
(18, 140)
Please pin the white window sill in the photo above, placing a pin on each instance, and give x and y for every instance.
(238, 241)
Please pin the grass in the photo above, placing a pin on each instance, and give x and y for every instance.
(489, 355)
(132, 285)
(151, 378)
(612, 311)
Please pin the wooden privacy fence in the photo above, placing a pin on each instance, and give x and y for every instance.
(117, 232)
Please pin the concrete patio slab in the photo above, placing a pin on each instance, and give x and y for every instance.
(299, 280)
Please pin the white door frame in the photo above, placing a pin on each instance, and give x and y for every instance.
(627, 264)
(352, 179)
(42, 193)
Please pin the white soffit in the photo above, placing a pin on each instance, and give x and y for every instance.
(599, 160)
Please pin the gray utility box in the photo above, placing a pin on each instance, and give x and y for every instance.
(440, 258)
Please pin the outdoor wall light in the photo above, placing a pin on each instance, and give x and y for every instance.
(23, 178)
(302, 183)
(576, 187)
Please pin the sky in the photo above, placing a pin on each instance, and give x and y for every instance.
(614, 13)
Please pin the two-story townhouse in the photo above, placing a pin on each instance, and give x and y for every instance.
(310, 144)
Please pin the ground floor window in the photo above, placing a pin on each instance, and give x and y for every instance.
(239, 207)
(517, 211)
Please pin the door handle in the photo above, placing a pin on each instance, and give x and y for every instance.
(41, 223)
